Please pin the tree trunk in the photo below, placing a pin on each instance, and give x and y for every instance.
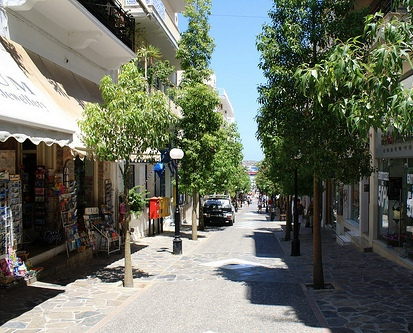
(288, 222)
(200, 214)
(128, 277)
(329, 202)
(318, 275)
(194, 221)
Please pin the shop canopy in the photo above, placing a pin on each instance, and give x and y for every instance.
(40, 100)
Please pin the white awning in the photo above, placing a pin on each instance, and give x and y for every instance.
(23, 103)
(40, 100)
(35, 135)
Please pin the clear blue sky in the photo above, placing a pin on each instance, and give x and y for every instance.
(234, 27)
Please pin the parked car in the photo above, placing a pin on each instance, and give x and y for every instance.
(218, 210)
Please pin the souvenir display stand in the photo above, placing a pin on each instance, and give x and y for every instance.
(107, 239)
(6, 220)
(68, 213)
(15, 201)
(12, 267)
(40, 188)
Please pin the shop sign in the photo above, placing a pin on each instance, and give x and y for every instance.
(383, 175)
(409, 203)
(382, 195)
(409, 200)
(385, 221)
(22, 102)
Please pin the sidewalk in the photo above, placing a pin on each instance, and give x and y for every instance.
(371, 293)
(80, 305)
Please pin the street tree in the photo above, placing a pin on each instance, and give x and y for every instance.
(265, 182)
(199, 124)
(360, 79)
(293, 128)
(226, 163)
(128, 122)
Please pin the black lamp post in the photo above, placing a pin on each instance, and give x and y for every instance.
(295, 243)
(177, 154)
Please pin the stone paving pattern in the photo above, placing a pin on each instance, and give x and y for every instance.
(78, 306)
(371, 293)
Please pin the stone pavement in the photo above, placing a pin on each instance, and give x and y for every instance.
(371, 294)
(235, 282)
(79, 305)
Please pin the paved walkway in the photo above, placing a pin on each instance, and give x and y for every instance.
(235, 282)
(79, 305)
(371, 293)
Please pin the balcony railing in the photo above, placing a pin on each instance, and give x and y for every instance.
(111, 14)
(384, 6)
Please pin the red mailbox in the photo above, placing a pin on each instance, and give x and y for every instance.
(154, 208)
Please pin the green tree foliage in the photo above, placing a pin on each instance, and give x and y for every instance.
(196, 45)
(155, 70)
(128, 122)
(298, 132)
(227, 173)
(198, 101)
(200, 125)
(243, 181)
(289, 123)
(360, 81)
(265, 181)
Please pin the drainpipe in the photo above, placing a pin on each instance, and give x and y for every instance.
(145, 8)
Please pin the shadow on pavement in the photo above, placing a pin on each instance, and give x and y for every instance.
(97, 267)
(115, 274)
(18, 300)
(21, 298)
(271, 285)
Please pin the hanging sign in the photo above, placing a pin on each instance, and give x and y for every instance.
(383, 175)
(409, 199)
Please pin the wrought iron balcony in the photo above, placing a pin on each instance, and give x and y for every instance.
(111, 14)
(384, 6)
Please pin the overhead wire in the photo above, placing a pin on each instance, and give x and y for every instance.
(239, 16)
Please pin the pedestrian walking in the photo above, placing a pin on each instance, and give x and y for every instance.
(309, 222)
(300, 212)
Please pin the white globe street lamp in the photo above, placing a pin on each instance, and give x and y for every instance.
(177, 154)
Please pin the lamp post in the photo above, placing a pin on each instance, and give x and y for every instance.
(177, 154)
(295, 243)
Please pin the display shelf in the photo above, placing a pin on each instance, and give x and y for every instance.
(40, 195)
(68, 215)
(6, 219)
(15, 201)
(107, 240)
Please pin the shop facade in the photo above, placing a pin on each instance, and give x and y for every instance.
(46, 185)
(50, 193)
(394, 224)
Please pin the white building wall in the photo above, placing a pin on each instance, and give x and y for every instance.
(44, 44)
